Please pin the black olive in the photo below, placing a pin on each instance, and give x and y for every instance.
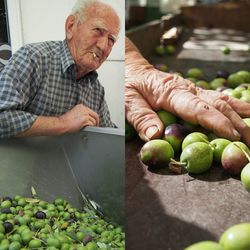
(8, 227)
(7, 198)
(87, 239)
(40, 215)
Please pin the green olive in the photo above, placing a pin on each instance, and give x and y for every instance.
(53, 242)
(6, 204)
(35, 243)
(31, 224)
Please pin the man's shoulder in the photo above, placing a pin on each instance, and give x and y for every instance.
(43, 49)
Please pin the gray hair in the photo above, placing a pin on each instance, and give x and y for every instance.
(80, 7)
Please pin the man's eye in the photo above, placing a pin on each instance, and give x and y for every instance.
(111, 40)
(98, 30)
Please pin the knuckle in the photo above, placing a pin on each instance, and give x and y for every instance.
(221, 105)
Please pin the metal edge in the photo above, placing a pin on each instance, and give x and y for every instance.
(113, 131)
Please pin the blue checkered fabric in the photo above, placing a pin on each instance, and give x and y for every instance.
(40, 79)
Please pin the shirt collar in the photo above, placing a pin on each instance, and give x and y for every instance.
(68, 61)
(66, 57)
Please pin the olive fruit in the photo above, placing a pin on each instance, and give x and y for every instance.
(5, 211)
(160, 50)
(156, 153)
(170, 49)
(205, 245)
(245, 95)
(218, 82)
(247, 121)
(236, 237)
(6, 204)
(191, 127)
(166, 117)
(8, 227)
(174, 134)
(222, 74)
(218, 145)
(40, 215)
(194, 137)
(245, 177)
(203, 84)
(87, 239)
(36, 224)
(225, 50)
(234, 80)
(245, 75)
(198, 157)
(234, 157)
(7, 198)
(162, 67)
(195, 73)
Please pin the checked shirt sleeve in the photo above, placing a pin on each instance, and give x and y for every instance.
(15, 85)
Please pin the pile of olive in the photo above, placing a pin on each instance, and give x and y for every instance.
(31, 223)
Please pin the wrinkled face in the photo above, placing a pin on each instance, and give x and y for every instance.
(91, 40)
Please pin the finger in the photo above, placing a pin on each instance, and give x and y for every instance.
(89, 121)
(141, 116)
(225, 105)
(95, 116)
(236, 120)
(241, 107)
(193, 109)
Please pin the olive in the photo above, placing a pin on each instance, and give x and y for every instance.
(40, 215)
(25, 225)
(6, 204)
(87, 239)
(7, 198)
(15, 245)
(5, 210)
(8, 227)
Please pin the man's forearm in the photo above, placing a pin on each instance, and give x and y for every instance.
(133, 55)
(135, 64)
(45, 125)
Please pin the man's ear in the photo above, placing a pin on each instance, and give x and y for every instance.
(70, 26)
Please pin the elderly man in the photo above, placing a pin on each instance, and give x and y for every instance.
(51, 88)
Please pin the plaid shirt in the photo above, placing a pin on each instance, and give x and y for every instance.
(40, 80)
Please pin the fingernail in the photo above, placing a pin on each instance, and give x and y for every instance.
(151, 131)
(236, 133)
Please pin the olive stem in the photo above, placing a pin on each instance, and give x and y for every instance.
(176, 166)
(179, 163)
(205, 140)
(245, 153)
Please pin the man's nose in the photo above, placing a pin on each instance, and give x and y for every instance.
(102, 43)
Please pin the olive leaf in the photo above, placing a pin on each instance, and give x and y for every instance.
(33, 192)
(32, 200)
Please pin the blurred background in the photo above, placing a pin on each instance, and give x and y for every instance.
(141, 11)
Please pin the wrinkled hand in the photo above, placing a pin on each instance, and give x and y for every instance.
(148, 90)
(78, 117)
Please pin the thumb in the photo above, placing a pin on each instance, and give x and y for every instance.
(140, 114)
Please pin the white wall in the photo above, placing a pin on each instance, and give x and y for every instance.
(40, 20)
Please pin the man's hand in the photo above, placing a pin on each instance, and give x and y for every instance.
(148, 90)
(78, 117)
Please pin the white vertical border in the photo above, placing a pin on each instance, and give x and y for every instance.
(15, 24)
